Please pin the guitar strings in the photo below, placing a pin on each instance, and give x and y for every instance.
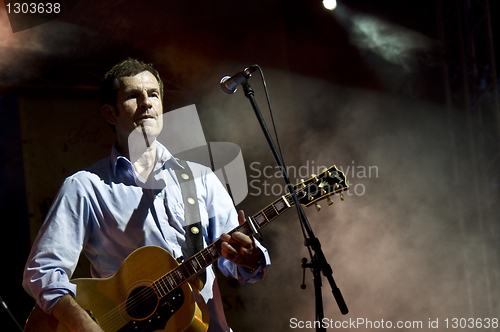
(113, 319)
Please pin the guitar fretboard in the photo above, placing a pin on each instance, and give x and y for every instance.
(195, 264)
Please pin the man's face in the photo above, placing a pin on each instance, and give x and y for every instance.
(138, 103)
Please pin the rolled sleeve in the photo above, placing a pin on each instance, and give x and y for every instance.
(245, 275)
(49, 297)
(57, 248)
(47, 286)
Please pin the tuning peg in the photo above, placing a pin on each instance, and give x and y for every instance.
(342, 197)
(323, 191)
(302, 183)
(328, 174)
(329, 200)
(314, 177)
(318, 207)
(310, 197)
(336, 186)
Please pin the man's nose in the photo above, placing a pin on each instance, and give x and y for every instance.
(145, 101)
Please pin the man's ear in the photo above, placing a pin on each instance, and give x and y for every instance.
(109, 113)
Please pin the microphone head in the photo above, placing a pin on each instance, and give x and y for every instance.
(225, 88)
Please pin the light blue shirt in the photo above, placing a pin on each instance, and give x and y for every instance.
(104, 213)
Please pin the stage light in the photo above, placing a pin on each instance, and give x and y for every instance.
(330, 4)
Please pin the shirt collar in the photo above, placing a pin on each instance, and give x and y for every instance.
(163, 157)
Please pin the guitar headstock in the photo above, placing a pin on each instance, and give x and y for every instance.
(321, 186)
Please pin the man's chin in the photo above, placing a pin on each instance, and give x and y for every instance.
(151, 131)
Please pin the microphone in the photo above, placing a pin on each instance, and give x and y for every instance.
(228, 83)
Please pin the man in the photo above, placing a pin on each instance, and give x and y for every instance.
(111, 209)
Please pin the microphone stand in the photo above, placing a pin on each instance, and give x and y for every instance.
(318, 260)
(4, 305)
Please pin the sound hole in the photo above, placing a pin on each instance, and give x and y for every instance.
(142, 302)
(167, 307)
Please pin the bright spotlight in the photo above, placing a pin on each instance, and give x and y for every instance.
(330, 4)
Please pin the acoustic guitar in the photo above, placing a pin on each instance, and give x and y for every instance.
(151, 292)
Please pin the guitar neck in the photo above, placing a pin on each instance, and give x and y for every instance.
(212, 253)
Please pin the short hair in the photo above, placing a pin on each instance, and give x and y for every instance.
(126, 68)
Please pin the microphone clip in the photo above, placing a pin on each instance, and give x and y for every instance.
(228, 84)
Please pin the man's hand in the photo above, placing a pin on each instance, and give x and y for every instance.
(239, 248)
(73, 317)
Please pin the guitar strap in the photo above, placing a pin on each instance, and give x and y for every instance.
(192, 218)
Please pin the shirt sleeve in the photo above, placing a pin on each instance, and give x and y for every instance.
(57, 247)
(245, 275)
(223, 218)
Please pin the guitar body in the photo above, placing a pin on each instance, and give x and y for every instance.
(127, 301)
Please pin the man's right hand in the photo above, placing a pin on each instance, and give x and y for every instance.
(73, 317)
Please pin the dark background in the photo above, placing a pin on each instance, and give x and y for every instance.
(362, 86)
